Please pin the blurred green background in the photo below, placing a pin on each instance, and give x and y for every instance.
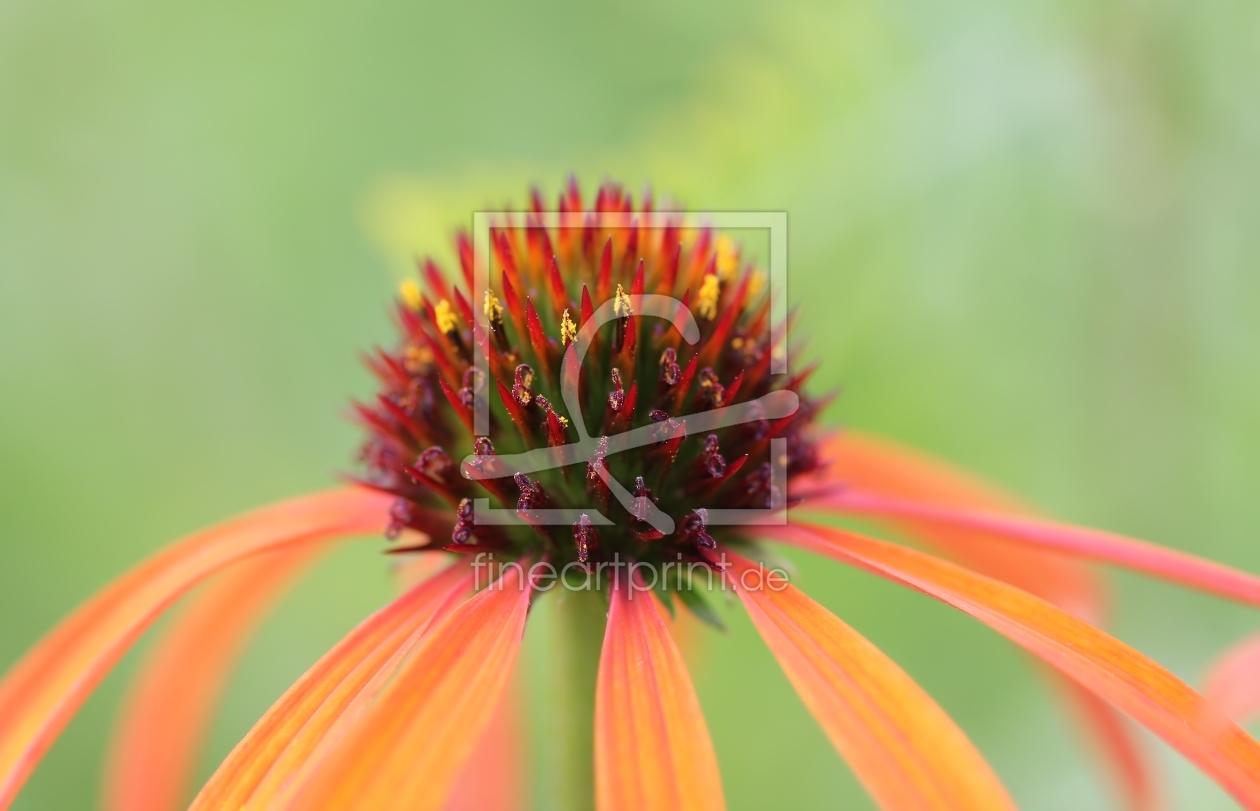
(1024, 236)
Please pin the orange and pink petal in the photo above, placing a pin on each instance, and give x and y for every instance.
(299, 721)
(873, 468)
(903, 748)
(880, 467)
(409, 744)
(171, 700)
(1079, 542)
(652, 746)
(44, 690)
(1122, 676)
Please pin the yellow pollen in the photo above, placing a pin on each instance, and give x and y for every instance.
(568, 330)
(416, 358)
(445, 317)
(727, 258)
(409, 291)
(621, 304)
(756, 284)
(707, 298)
(492, 307)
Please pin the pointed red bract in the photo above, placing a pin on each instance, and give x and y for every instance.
(637, 283)
(538, 340)
(457, 405)
(671, 272)
(513, 304)
(559, 297)
(603, 282)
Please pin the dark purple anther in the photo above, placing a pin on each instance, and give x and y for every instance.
(524, 378)
(696, 528)
(434, 463)
(669, 367)
(464, 522)
(642, 499)
(597, 461)
(584, 537)
(472, 383)
(666, 428)
(400, 514)
(761, 481)
(712, 393)
(531, 493)
(616, 397)
(712, 458)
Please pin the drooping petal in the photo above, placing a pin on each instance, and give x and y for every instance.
(881, 468)
(295, 725)
(171, 700)
(407, 748)
(1124, 677)
(1107, 547)
(1233, 682)
(44, 689)
(902, 746)
(652, 746)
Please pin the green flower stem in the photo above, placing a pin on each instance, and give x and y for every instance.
(580, 617)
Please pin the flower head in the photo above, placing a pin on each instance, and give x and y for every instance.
(574, 423)
(632, 371)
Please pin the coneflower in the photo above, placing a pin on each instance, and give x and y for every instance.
(566, 423)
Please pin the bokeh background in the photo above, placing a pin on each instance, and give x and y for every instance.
(1024, 236)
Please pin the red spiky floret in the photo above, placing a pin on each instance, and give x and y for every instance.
(547, 284)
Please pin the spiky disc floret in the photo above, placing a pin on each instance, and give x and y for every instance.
(546, 284)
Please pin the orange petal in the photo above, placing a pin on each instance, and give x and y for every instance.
(1107, 547)
(652, 747)
(902, 746)
(1233, 682)
(45, 688)
(1112, 670)
(407, 749)
(170, 703)
(879, 467)
(296, 724)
